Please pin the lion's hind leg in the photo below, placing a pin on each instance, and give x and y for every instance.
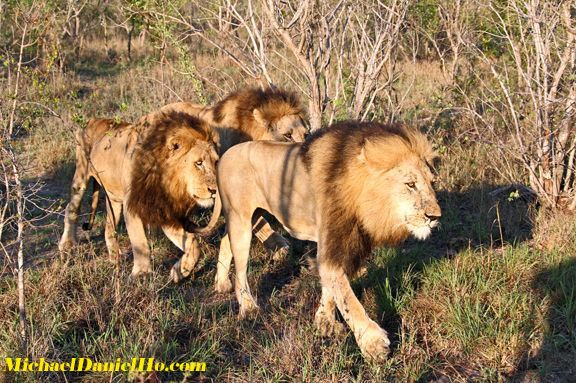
(86, 226)
(113, 212)
(240, 232)
(77, 190)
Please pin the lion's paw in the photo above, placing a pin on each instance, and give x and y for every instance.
(248, 309)
(328, 327)
(280, 253)
(141, 269)
(223, 285)
(177, 274)
(374, 343)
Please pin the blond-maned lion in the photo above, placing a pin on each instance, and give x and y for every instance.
(154, 176)
(246, 115)
(349, 187)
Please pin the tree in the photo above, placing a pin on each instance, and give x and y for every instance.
(527, 106)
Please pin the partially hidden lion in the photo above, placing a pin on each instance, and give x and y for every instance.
(350, 187)
(249, 114)
(155, 176)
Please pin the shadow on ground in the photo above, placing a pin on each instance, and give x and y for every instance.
(554, 360)
(470, 220)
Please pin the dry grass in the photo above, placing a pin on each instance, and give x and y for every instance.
(491, 297)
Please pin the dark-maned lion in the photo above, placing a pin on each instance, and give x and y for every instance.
(349, 187)
(155, 176)
(245, 115)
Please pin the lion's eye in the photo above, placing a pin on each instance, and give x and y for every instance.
(411, 185)
(199, 163)
(288, 136)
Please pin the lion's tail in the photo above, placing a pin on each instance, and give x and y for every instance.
(93, 206)
(211, 227)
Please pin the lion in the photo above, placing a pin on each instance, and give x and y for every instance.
(349, 187)
(156, 177)
(245, 115)
(249, 114)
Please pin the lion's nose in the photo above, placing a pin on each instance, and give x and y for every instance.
(433, 211)
(212, 190)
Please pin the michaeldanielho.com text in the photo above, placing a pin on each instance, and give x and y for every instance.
(87, 364)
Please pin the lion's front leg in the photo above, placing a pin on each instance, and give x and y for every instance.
(113, 211)
(240, 233)
(222, 282)
(372, 340)
(188, 243)
(325, 318)
(139, 242)
(274, 242)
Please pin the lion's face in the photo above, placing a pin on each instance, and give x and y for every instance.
(290, 128)
(416, 203)
(196, 168)
(201, 178)
(402, 193)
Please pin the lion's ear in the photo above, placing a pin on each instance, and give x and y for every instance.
(259, 117)
(364, 155)
(372, 155)
(174, 144)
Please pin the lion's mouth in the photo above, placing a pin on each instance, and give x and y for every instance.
(422, 231)
(205, 202)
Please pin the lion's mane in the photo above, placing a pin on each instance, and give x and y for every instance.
(332, 158)
(272, 103)
(157, 193)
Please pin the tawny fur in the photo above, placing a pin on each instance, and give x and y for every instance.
(157, 167)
